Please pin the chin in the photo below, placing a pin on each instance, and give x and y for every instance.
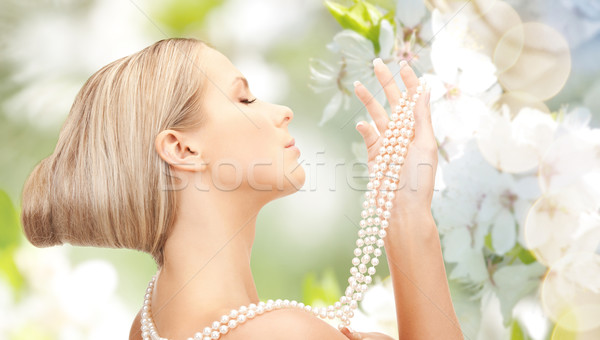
(294, 181)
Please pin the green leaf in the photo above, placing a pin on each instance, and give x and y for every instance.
(10, 240)
(323, 292)
(363, 18)
(487, 241)
(516, 333)
(9, 223)
(9, 270)
(526, 256)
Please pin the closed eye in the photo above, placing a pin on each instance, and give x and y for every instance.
(248, 101)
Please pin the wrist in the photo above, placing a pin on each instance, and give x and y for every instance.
(408, 214)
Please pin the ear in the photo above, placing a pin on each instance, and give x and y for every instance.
(179, 150)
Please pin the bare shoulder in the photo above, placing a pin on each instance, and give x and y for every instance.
(288, 324)
(135, 332)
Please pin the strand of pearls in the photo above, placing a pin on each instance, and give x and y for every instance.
(383, 178)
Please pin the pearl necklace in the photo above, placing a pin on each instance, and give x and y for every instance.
(399, 133)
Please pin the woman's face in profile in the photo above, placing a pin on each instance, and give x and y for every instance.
(246, 137)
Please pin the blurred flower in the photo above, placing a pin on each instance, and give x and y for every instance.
(64, 302)
(515, 145)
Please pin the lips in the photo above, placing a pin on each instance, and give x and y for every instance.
(291, 143)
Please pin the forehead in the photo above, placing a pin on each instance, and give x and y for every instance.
(218, 69)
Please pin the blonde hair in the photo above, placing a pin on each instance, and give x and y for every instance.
(105, 185)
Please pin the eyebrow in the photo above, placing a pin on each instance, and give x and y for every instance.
(244, 80)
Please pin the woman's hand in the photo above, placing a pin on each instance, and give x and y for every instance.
(365, 336)
(417, 175)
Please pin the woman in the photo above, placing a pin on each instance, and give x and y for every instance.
(168, 152)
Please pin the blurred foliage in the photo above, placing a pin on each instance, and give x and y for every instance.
(323, 292)
(180, 16)
(516, 333)
(362, 17)
(10, 240)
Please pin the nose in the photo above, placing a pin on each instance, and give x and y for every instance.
(287, 115)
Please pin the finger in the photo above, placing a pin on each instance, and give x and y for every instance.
(409, 78)
(368, 133)
(376, 111)
(423, 126)
(386, 79)
(347, 332)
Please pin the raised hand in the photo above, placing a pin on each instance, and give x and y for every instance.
(416, 177)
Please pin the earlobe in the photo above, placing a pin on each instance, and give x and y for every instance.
(179, 151)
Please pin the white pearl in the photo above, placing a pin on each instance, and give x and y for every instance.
(251, 314)
(380, 243)
(215, 335)
(216, 325)
(362, 268)
(356, 261)
(368, 279)
(377, 252)
(371, 271)
(232, 324)
(241, 319)
(224, 319)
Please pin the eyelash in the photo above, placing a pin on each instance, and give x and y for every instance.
(247, 101)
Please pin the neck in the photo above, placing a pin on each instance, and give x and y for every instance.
(206, 270)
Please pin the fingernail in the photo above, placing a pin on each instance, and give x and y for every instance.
(402, 63)
(377, 61)
(359, 124)
(356, 83)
